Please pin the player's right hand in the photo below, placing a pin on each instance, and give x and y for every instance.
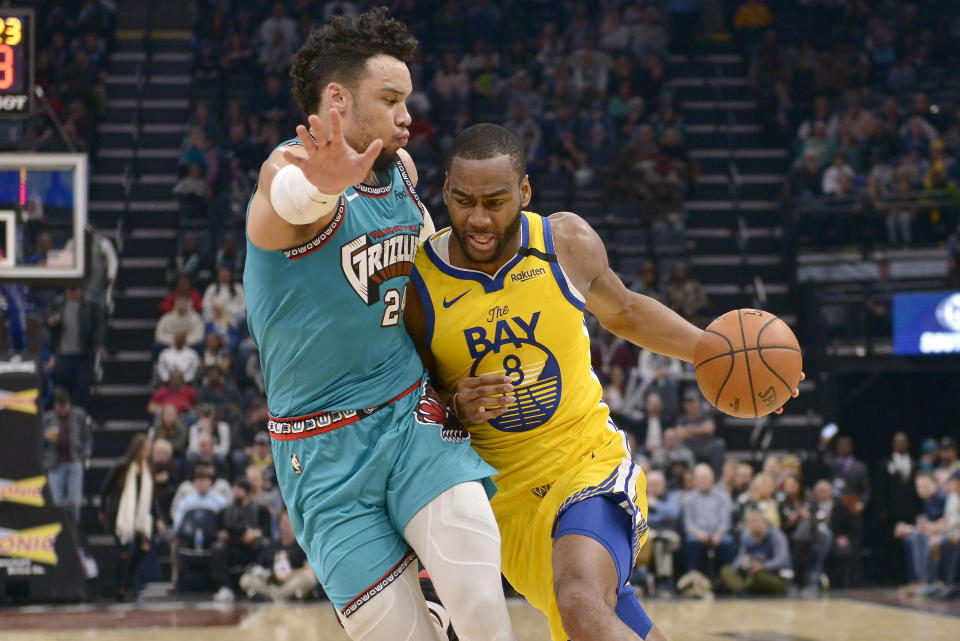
(331, 164)
(481, 398)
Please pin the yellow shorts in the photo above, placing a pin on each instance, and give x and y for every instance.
(527, 531)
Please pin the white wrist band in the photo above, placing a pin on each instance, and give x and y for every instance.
(296, 199)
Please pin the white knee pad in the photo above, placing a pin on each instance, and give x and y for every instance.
(397, 613)
(457, 539)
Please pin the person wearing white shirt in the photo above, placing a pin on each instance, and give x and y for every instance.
(227, 293)
(183, 319)
(278, 22)
(207, 423)
(831, 177)
(178, 357)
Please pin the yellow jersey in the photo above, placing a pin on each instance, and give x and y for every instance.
(525, 322)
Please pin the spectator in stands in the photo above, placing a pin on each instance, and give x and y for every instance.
(261, 455)
(664, 519)
(764, 556)
(183, 287)
(219, 392)
(685, 296)
(672, 451)
(609, 351)
(182, 320)
(896, 500)
(950, 545)
(649, 282)
(176, 392)
(262, 490)
(206, 451)
(180, 357)
(922, 538)
(948, 455)
(244, 533)
(191, 194)
(199, 495)
(806, 181)
(822, 114)
(77, 330)
(281, 572)
(651, 427)
(279, 24)
(189, 259)
(169, 427)
(845, 530)
(68, 443)
(215, 353)
(228, 293)
(706, 520)
(208, 424)
(849, 475)
(929, 455)
(230, 256)
(858, 123)
(809, 545)
(166, 476)
(831, 177)
(129, 510)
(761, 498)
(697, 429)
(901, 212)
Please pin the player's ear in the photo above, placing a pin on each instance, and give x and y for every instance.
(526, 191)
(337, 96)
(446, 187)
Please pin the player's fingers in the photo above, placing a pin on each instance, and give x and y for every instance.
(336, 127)
(306, 140)
(368, 157)
(486, 379)
(803, 376)
(294, 159)
(796, 392)
(494, 413)
(779, 410)
(493, 401)
(316, 128)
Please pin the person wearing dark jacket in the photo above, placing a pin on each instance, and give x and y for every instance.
(67, 443)
(77, 327)
(764, 556)
(896, 501)
(244, 532)
(129, 510)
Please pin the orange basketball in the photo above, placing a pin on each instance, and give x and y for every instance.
(747, 363)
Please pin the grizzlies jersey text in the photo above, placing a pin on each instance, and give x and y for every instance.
(518, 323)
(327, 315)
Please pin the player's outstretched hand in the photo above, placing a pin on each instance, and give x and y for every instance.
(481, 398)
(331, 164)
(796, 393)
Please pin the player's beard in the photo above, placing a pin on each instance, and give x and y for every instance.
(501, 241)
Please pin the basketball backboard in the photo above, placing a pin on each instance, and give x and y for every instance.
(43, 206)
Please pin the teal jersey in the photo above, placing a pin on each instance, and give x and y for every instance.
(327, 316)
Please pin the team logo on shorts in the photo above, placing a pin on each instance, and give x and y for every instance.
(295, 462)
(430, 409)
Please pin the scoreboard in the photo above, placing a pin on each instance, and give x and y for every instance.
(16, 62)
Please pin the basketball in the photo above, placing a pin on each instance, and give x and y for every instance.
(747, 363)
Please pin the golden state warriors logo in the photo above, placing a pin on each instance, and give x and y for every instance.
(510, 348)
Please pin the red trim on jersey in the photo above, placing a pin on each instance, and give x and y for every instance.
(349, 417)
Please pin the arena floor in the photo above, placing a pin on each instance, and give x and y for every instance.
(833, 619)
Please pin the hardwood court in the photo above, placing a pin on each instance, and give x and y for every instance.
(722, 620)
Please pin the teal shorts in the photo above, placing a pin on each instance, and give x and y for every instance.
(350, 490)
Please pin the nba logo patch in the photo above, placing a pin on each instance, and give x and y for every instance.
(295, 462)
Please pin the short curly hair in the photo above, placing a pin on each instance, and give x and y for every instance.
(338, 52)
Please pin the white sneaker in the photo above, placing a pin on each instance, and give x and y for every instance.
(224, 595)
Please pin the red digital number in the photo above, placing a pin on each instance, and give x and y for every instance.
(6, 66)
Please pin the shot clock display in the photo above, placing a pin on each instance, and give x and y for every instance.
(16, 63)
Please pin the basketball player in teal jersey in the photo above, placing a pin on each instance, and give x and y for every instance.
(371, 478)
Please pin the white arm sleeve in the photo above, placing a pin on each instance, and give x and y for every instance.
(296, 199)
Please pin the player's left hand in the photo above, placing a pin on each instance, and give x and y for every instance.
(796, 393)
(481, 398)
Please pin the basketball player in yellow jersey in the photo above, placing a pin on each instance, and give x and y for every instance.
(497, 314)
